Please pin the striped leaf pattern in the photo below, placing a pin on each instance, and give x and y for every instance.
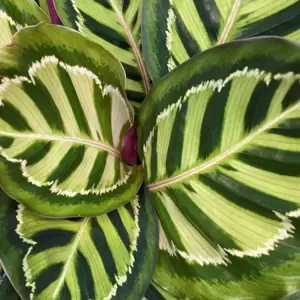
(81, 258)
(115, 25)
(84, 259)
(15, 15)
(61, 127)
(268, 277)
(221, 147)
(175, 30)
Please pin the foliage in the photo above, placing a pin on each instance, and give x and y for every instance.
(211, 210)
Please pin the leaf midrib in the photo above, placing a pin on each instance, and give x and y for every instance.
(70, 258)
(218, 159)
(133, 45)
(230, 22)
(75, 140)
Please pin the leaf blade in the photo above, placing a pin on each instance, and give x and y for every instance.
(221, 150)
(66, 257)
(14, 16)
(174, 31)
(116, 27)
(71, 148)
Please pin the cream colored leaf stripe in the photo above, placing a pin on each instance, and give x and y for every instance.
(68, 133)
(91, 257)
(8, 28)
(208, 88)
(231, 195)
(117, 29)
(194, 26)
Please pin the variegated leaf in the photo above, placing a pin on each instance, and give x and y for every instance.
(220, 143)
(115, 25)
(84, 258)
(15, 15)
(175, 30)
(271, 276)
(63, 116)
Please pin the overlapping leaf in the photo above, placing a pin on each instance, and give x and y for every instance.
(6, 289)
(292, 296)
(175, 30)
(220, 144)
(115, 25)
(91, 258)
(155, 292)
(12, 250)
(15, 15)
(268, 277)
(44, 6)
(63, 116)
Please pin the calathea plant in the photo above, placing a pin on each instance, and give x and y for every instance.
(210, 208)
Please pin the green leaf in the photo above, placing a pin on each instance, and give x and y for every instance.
(175, 30)
(7, 291)
(87, 258)
(155, 292)
(268, 277)
(116, 26)
(15, 15)
(12, 249)
(220, 142)
(44, 6)
(63, 117)
(293, 296)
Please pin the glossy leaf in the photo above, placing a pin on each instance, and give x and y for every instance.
(293, 296)
(175, 30)
(7, 291)
(155, 292)
(115, 25)
(63, 117)
(87, 258)
(220, 143)
(12, 249)
(15, 15)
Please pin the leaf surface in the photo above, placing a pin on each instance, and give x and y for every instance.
(12, 249)
(219, 138)
(271, 276)
(84, 258)
(116, 26)
(155, 292)
(63, 117)
(175, 30)
(6, 289)
(15, 15)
